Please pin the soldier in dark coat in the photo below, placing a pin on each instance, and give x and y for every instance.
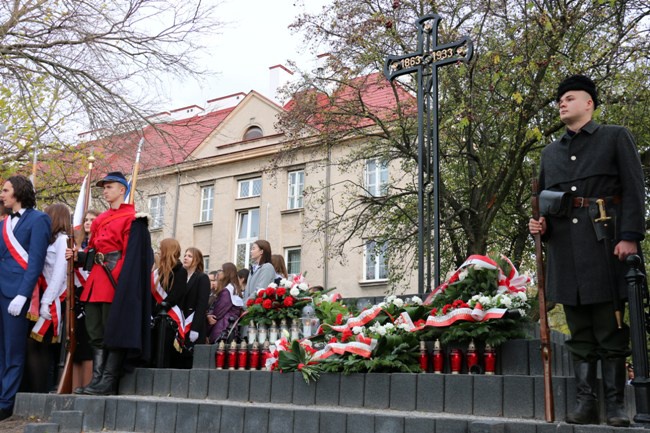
(591, 162)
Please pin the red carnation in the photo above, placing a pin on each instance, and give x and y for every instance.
(288, 302)
(445, 309)
(269, 291)
(281, 291)
(258, 301)
(333, 340)
(339, 319)
(346, 335)
(249, 302)
(267, 304)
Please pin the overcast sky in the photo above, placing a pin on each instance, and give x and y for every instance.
(255, 36)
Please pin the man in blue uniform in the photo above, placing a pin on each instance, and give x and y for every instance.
(23, 245)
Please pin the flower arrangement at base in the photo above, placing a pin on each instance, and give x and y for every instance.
(483, 289)
(297, 357)
(277, 302)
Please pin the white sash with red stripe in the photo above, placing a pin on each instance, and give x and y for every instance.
(42, 325)
(183, 324)
(15, 249)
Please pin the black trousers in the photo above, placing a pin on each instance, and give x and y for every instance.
(594, 332)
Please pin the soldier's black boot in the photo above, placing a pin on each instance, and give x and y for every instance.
(586, 410)
(614, 378)
(99, 357)
(111, 376)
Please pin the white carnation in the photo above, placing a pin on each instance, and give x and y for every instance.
(294, 291)
(357, 329)
(399, 303)
(389, 299)
(416, 300)
(303, 286)
(404, 326)
(273, 285)
(324, 298)
(506, 301)
(484, 300)
(463, 274)
(389, 326)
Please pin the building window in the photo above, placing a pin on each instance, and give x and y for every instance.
(206, 264)
(375, 260)
(292, 257)
(250, 188)
(296, 187)
(376, 177)
(157, 210)
(253, 132)
(207, 203)
(248, 229)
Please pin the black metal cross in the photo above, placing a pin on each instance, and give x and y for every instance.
(425, 61)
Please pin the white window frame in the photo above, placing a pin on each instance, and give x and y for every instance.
(250, 187)
(376, 177)
(286, 259)
(248, 239)
(206, 264)
(207, 204)
(157, 210)
(296, 182)
(378, 262)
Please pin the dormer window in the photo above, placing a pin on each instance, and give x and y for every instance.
(253, 132)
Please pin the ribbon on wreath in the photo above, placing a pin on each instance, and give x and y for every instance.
(513, 282)
(363, 346)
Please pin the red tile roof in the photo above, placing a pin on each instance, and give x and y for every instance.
(165, 144)
(355, 103)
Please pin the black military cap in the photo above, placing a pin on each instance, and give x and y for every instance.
(578, 82)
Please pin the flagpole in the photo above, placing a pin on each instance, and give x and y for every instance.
(136, 169)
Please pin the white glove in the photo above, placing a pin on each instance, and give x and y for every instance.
(16, 305)
(45, 312)
(193, 336)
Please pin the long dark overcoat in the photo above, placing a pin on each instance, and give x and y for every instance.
(599, 161)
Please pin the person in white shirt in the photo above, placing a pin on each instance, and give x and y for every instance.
(46, 310)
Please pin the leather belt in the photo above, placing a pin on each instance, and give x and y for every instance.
(108, 259)
(586, 201)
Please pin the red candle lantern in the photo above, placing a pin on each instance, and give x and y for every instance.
(455, 361)
(254, 356)
(242, 356)
(220, 356)
(490, 359)
(266, 354)
(232, 356)
(424, 357)
(472, 358)
(438, 358)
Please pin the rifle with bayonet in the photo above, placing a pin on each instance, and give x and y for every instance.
(545, 331)
(65, 384)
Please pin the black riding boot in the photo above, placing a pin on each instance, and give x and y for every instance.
(614, 375)
(99, 358)
(111, 376)
(586, 411)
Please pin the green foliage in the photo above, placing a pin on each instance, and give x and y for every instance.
(496, 114)
(297, 359)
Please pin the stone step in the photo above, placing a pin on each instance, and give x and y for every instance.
(185, 415)
(481, 395)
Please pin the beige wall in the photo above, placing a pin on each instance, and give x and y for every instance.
(222, 163)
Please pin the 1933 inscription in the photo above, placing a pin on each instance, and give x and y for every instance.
(434, 56)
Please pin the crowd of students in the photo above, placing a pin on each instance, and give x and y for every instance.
(131, 307)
